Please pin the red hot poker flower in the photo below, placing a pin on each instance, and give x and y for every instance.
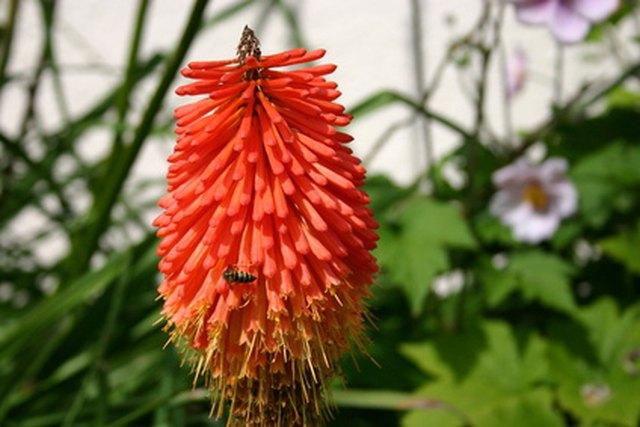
(266, 235)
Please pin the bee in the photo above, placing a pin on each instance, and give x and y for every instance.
(233, 275)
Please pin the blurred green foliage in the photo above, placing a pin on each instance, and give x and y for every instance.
(537, 336)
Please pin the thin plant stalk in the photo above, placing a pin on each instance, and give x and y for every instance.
(7, 40)
(558, 78)
(419, 73)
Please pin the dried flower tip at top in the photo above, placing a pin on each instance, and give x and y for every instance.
(249, 45)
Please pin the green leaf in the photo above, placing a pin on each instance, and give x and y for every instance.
(489, 353)
(531, 409)
(373, 103)
(416, 250)
(595, 200)
(412, 264)
(537, 275)
(498, 284)
(591, 395)
(582, 139)
(438, 222)
(601, 388)
(624, 248)
(491, 230)
(385, 194)
(41, 317)
(617, 162)
(448, 357)
(534, 409)
(609, 332)
(543, 277)
(622, 97)
(607, 181)
(498, 382)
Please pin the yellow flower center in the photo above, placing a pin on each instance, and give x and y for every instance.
(535, 195)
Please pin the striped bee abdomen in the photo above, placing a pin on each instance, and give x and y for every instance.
(233, 275)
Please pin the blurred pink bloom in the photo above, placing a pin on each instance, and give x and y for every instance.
(516, 73)
(568, 20)
(532, 200)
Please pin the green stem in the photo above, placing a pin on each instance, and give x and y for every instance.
(43, 171)
(48, 9)
(419, 73)
(265, 14)
(486, 50)
(122, 103)
(506, 97)
(7, 39)
(632, 71)
(290, 17)
(389, 96)
(383, 138)
(227, 13)
(392, 400)
(48, 15)
(558, 81)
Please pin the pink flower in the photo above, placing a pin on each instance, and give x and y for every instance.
(516, 73)
(568, 20)
(532, 200)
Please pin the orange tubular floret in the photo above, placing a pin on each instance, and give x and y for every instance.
(260, 179)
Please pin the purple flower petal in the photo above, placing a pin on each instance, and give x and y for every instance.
(567, 25)
(521, 214)
(516, 73)
(594, 10)
(536, 11)
(504, 201)
(565, 199)
(532, 200)
(553, 169)
(518, 171)
(536, 229)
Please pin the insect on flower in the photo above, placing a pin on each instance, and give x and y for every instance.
(233, 275)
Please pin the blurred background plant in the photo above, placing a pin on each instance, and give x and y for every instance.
(521, 311)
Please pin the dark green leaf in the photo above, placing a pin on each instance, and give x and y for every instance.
(543, 277)
(624, 248)
(497, 387)
(600, 389)
(417, 251)
(537, 275)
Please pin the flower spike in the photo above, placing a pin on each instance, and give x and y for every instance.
(266, 235)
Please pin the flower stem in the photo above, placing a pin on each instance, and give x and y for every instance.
(558, 82)
(506, 99)
(419, 73)
(385, 97)
(7, 40)
(122, 103)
